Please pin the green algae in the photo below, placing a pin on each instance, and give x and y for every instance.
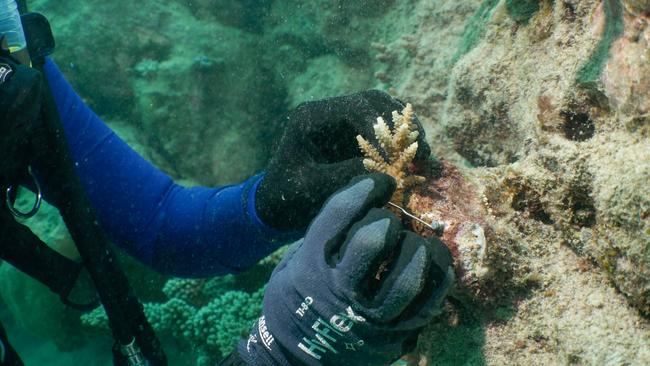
(590, 72)
(474, 28)
(522, 10)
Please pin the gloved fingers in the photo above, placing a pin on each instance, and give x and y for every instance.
(286, 258)
(324, 131)
(440, 254)
(328, 127)
(440, 278)
(369, 242)
(405, 278)
(322, 181)
(338, 174)
(21, 87)
(383, 103)
(344, 208)
(298, 203)
(332, 133)
(368, 106)
(336, 139)
(289, 198)
(426, 307)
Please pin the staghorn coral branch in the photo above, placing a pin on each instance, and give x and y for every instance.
(413, 136)
(407, 115)
(412, 181)
(368, 150)
(405, 131)
(384, 136)
(405, 157)
(374, 166)
(399, 146)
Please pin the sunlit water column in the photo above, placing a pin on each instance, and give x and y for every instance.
(12, 29)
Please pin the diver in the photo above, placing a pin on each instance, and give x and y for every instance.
(354, 288)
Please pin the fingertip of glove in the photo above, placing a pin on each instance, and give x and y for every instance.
(440, 254)
(382, 182)
(385, 182)
(424, 150)
(384, 187)
(357, 166)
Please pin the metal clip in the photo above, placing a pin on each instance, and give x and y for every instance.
(437, 226)
(133, 354)
(37, 202)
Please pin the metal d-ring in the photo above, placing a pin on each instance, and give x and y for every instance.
(37, 203)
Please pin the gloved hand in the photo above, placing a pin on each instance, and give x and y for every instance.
(20, 103)
(355, 291)
(318, 154)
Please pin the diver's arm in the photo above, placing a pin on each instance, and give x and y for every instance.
(176, 230)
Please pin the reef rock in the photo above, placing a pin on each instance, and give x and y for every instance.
(545, 117)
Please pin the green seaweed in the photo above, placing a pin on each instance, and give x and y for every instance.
(590, 72)
(522, 10)
(474, 28)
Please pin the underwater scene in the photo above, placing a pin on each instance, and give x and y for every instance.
(335, 182)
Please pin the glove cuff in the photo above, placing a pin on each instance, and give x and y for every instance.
(260, 348)
(265, 229)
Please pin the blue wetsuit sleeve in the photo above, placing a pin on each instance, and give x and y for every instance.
(190, 232)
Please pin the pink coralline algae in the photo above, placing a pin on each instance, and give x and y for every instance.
(449, 201)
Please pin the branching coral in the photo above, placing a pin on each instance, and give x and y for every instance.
(207, 316)
(203, 318)
(399, 147)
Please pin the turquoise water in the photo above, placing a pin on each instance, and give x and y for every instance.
(255, 59)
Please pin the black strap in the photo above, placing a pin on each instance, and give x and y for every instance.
(38, 34)
(125, 312)
(22, 6)
(25, 251)
(8, 355)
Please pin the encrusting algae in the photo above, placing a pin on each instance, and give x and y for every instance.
(399, 146)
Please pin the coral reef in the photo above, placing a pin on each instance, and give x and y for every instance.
(522, 10)
(557, 160)
(590, 72)
(465, 229)
(203, 318)
(208, 317)
(637, 7)
(474, 28)
(570, 115)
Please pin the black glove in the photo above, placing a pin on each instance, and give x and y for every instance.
(20, 103)
(355, 291)
(318, 154)
(8, 354)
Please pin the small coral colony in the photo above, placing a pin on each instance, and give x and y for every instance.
(399, 146)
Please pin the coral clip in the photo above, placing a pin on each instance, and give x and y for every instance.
(37, 203)
(436, 229)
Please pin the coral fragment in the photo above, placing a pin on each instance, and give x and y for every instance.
(399, 146)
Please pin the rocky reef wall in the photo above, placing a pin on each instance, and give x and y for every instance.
(544, 105)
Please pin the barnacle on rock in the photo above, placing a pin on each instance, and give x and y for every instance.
(399, 146)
